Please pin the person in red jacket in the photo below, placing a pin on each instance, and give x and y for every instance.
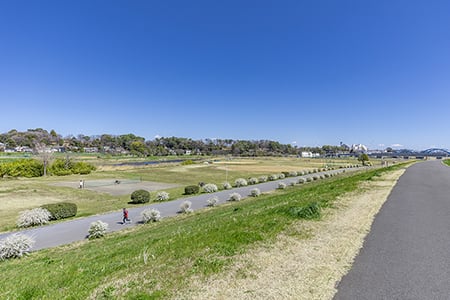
(125, 216)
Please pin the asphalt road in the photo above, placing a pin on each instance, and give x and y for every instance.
(77, 229)
(406, 255)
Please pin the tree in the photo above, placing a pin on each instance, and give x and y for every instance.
(363, 158)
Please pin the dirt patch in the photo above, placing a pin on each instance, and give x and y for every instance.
(295, 267)
(117, 187)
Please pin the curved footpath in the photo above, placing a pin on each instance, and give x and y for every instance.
(76, 230)
(406, 254)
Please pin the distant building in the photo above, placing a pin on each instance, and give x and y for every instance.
(358, 148)
(309, 154)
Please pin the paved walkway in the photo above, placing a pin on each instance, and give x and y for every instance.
(407, 252)
(76, 230)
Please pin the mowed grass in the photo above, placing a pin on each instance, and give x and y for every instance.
(153, 261)
(19, 194)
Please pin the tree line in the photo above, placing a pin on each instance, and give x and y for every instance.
(129, 143)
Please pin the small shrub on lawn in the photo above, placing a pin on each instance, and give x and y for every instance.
(235, 197)
(253, 180)
(162, 196)
(281, 185)
(97, 229)
(308, 211)
(273, 177)
(213, 201)
(255, 192)
(309, 179)
(210, 188)
(15, 246)
(191, 189)
(240, 182)
(281, 176)
(316, 177)
(61, 210)
(292, 183)
(301, 180)
(286, 174)
(140, 196)
(263, 178)
(293, 173)
(150, 215)
(33, 217)
(226, 186)
(327, 175)
(185, 207)
(322, 176)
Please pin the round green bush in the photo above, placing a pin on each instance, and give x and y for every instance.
(61, 210)
(140, 196)
(191, 189)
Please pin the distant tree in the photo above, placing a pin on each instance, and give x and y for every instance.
(363, 158)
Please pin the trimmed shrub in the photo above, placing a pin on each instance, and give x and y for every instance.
(210, 188)
(191, 189)
(150, 215)
(23, 168)
(273, 177)
(212, 201)
(293, 173)
(253, 180)
(140, 196)
(97, 229)
(227, 186)
(33, 217)
(240, 182)
(327, 175)
(281, 185)
(281, 176)
(308, 211)
(286, 174)
(235, 197)
(309, 179)
(292, 183)
(315, 177)
(15, 246)
(255, 192)
(82, 168)
(162, 196)
(61, 210)
(185, 207)
(301, 180)
(187, 162)
(263, 178)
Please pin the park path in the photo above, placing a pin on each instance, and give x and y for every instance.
(406, 254)
(77, 230)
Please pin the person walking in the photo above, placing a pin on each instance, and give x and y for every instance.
(125, 216)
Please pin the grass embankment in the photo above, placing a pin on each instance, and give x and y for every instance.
(19, 194)
(157, 260)
(447, 162)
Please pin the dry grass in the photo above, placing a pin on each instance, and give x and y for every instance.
(308, 260)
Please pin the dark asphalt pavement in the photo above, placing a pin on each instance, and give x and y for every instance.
(406, 255)
(76, 230)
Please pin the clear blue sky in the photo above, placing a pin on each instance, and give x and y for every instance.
(375, 72)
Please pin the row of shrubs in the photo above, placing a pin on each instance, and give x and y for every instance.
(35, 168)
(240, 182)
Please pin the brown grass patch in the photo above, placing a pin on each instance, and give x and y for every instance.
(308, 259)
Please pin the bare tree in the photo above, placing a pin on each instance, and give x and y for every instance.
(45, 155)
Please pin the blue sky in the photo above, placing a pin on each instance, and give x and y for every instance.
(303, 72)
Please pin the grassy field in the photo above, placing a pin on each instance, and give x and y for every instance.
(20, 194)
(156, 261)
